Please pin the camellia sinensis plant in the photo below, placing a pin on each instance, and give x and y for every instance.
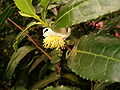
(94, 56)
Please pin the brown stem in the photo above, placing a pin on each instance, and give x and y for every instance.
(56, 65)
(30, 39)
(58, 69)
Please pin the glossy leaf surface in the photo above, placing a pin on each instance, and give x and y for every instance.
(97, 57)
(77, 11)
(26, 8)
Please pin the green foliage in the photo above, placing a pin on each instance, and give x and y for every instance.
(61, 88)
(26, 8)
(97, 58)
(44, 4)
(71, 77)
(46, 81)
(6, 13)
(15, 59)
(21, 35)
(77, 11)
(18, 88)
(58, 88)
(56, 56)
(39, 60)
(90, 58)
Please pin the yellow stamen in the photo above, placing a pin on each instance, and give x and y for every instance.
(54, 42)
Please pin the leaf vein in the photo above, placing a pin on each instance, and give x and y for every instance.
(103, 56)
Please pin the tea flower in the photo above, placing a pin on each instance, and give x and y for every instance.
(53, 39)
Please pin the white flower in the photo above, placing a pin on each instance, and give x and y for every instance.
(53, 39)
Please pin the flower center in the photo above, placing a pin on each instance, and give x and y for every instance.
(54, 42)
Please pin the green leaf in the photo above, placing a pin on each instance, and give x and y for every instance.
(37, 62)
(58, 88)
(56, 56)
(21, 35)
(15, 59)
(101, 85)
(42, 83)
(24, 14)
(43, 71)
(6, 14)
(26, 8)
(56, 0)
(97, 57)
(62, 88)
(71, 77)
(77, 11)
(18, 88)
(44, 4)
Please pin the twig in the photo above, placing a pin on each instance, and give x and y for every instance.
(58, 68)
(30, 39)
(56, 65)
